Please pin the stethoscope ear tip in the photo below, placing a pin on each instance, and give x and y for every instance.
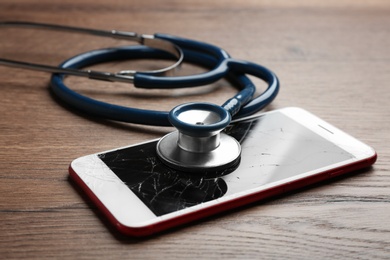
(198, 145)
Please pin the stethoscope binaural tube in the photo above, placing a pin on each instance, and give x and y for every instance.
(121, 76)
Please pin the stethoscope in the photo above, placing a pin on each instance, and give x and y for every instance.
(198, 145)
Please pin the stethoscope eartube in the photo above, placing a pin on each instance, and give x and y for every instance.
(121, 76)
(199, 145)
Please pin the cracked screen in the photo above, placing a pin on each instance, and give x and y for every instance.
(274, 147)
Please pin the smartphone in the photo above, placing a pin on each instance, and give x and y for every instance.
(282, 150)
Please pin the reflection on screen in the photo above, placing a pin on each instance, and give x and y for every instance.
(274, 147)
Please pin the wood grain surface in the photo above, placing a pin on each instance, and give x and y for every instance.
(333, 59)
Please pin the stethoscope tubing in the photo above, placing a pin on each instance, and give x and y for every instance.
(266, 97)
(160, 118)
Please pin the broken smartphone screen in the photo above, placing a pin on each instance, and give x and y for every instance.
(274, 148)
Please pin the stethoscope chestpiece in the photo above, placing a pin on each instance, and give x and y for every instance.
(198, 145)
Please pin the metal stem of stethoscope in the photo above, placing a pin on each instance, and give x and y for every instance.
(121, 76)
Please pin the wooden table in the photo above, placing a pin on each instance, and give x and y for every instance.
(333, 59)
